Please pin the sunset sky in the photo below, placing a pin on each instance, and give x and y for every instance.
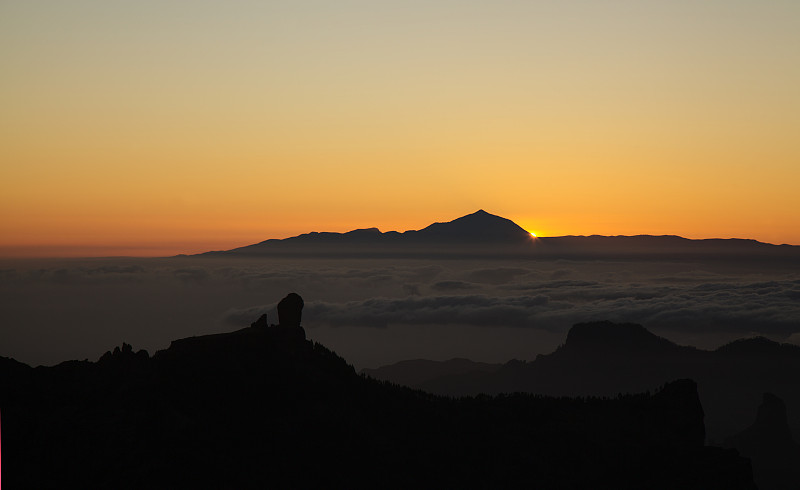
(163, 127)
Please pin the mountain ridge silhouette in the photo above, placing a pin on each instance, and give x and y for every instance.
(603, 358)
(484, 234)
(264, 406)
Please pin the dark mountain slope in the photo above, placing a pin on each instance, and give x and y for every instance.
(468, 235)
(769, 444)
(418, 371)
(604, 358)
(478, 227)
(597, 359)
(263, 407)
(664, 246)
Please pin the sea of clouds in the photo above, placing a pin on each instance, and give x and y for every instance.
(379, 311)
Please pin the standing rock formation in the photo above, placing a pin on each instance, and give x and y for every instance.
(290, 310)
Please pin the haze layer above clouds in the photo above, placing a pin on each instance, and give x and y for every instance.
(374, 312)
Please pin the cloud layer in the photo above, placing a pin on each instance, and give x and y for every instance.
(71, 309)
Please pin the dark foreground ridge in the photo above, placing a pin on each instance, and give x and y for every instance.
(264, 407)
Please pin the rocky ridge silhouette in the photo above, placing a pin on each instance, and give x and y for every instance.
(604, 358)
(263, 407)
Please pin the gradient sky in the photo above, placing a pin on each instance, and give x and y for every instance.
(157, 127)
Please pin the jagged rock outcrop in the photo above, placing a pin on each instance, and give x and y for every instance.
(290, 313)
(123, 355)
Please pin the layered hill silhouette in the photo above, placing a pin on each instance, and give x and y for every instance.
(604, 358)
(487, 235)
(768, 443)
(264, 407)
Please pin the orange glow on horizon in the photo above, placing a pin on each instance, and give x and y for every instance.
(190, 237)
(148, 136)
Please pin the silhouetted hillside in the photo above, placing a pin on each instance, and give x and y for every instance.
(482, 234)
(604, 358)
(419, 371)
(771, 447)
(466, 235)
(650, 246)
(264, 407)
(478, 227)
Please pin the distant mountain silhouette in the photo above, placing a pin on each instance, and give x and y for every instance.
(769, 444)
(478, 227)
(664, 246)
(469, 235)
(263, 407)
(604, 358)
(487, 235)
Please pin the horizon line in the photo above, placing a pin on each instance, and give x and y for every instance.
(159, 250)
